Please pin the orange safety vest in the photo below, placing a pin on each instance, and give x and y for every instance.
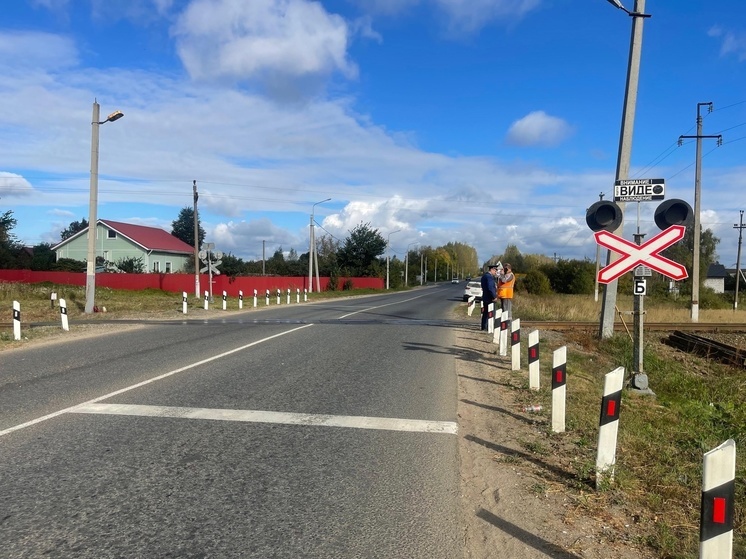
(505, 289)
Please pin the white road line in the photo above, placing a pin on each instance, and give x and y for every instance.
(286, 418)
(381, 306)
(143, 383)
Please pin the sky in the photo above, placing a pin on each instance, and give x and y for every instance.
(485, 122)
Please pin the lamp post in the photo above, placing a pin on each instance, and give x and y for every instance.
(90, 281)
(625, 147)
(387, 256)
(406, 264)
(312, 253)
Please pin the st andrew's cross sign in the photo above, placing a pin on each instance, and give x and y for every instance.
(647, 254)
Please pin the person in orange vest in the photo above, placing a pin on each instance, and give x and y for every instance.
(505, 283)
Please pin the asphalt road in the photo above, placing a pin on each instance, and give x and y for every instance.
(304, 431)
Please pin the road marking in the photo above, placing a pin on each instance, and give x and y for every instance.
(286, 418)
(145, 382)
(381, 306)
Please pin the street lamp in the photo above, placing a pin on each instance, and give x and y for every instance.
(312, 253)
(90, 281)
(387, 256)
(625, 148)
(406, 264)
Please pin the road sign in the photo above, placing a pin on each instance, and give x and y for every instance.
(642, 271)
(639, 190)
(646, 254)
(640, 287)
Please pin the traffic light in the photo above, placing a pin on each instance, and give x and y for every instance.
(673, 212)
(604, 215)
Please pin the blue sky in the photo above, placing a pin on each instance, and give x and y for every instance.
(487, 122)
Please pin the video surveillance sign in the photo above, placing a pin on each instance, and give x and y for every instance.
(639, 190)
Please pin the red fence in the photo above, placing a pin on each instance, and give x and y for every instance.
(185, 282)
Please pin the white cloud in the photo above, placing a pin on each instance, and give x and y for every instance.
(730, 42)
(538, 129)
(34, 49)
(472, 15)
(262, 40)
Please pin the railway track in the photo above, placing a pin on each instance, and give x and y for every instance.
(648, 326)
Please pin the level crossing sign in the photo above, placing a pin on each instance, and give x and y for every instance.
(646, 254)
(639, 190)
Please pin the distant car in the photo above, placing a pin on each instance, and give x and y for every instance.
(473, 289)
(454, 280)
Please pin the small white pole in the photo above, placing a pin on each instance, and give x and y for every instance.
(305, 295)
(63, 315)
(278, 295)
(559, 388)
(16, 320)
(297, 295)
(609, 425)
(184, 302)
(490, 310)
(207, 300)
(504, 321)
(472, 304)
(718, 502)
(515, 344)
(255, 298)
(267, 303)
(240, 299)
(533, 360)
(288, 297)
(225, 299)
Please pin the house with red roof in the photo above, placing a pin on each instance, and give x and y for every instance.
(161, 252)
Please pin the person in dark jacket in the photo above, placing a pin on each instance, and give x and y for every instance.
(489, 293)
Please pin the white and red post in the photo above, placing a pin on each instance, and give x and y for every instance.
(472, 304)
(718, 496)
(609, 425)
(515, 344)
(533, 360)
(504, 322)
(559, 382)
(490, 310)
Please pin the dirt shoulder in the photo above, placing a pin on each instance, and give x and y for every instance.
(520, 498)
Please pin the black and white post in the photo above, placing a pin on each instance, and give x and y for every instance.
(207, 300)
(16, 320)
(533, 360)
(504, 323)
(718, 496)
(267, 300)
(609, 426)
(183, 302)
(490, 310)
(559, 387)
(63, 315)
(515, 344)
(240, 299)
(225, 300)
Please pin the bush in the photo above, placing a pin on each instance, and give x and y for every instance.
(536, 283)
(347, 286)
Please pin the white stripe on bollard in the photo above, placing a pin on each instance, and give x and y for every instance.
(504, 327)
(533, 360)
(16, 320)
(609, 425)
(63, 315)
(559, 388)
(207, 300)
(515, 344)
(718, 500)
(184, 302)
(225, 299)
(240, 299)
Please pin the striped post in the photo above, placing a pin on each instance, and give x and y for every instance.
(240, 299)
(490, 310)
(225, 299)
(718, 496)
(288, 298)
(52, 299)
(267, 303)
(207, 300)
(559, 388)
(305, 295)
(255, 298)
(63, 315)
(504, 326)
(515, 344)
(472, 304)
(279, 294)
(609, 425)
(533, 360)
(16, 320)
(297, 295)
(183, 302)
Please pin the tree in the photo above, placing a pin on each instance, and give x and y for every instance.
(9, 245)
(131, 265)
(183, 227)
(683, 251)
(360, 251)
(73, 228)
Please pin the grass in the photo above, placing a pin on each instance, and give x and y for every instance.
(698, 405)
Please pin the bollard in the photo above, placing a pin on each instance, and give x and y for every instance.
(225, 299)
(16, 320)
(255, 298)
(183, 302)
(718, 499)
(472, 304)
(52, 299)
(288, 297)
(533, 360)
(278, 295)
(207, 300)
(609, 425)
(267, 303)
(240, 299)
(63, 315)
(297, 295)
(559, 388)
(490, 310)
(504, 323)
(305, 295)
(515, 344)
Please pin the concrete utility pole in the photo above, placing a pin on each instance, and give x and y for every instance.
(625, 149)
(740, 227)
(697, 205)
(196, 241)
